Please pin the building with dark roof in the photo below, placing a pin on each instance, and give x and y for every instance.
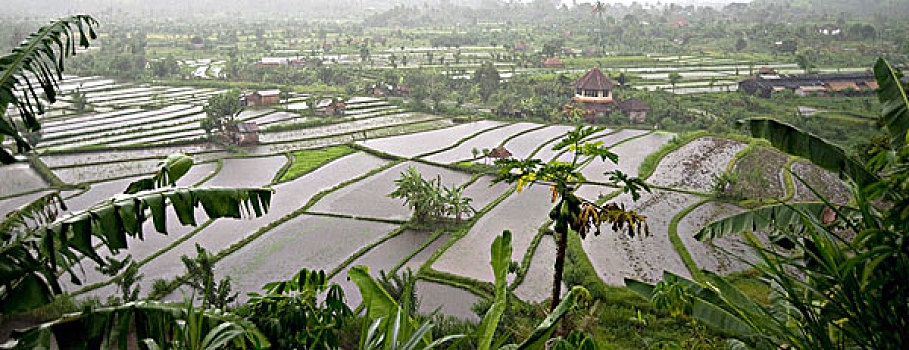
(594, 91)
(244, 134)
(499, 153)
(261, 98)
(811, 84)
(635, 109)
(594, 87)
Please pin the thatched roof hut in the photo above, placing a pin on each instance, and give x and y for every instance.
(499, 152)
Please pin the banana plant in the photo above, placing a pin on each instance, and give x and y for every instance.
(785, 216)
(290, 315)
(39, 245)
(381, 307)
(576, 340)
(388, 324)
(32, 73)
(500, 253)
(791, 140)
(715, 303)
(895, 111)
(831, 290)
(153, 324)
(169, 171)
(395, 337)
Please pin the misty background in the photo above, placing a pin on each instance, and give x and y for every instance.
(358, 9)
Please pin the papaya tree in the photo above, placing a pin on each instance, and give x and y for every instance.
(572, 213)
(32, 75)
(836, 272)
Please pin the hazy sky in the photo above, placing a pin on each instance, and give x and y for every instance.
(59, 7)
(696, 2)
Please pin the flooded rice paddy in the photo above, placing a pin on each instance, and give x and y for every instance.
(339, 215)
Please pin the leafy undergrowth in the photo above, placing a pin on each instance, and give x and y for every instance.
(759, 174)
(305, 161)
(613, 318)
(747, 282)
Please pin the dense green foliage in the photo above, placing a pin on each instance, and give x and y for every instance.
(221, 111)
(291, 315)
(833, 270)
(157, 325)
(429, 199)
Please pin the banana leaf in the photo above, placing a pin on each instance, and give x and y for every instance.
(895, 104)
(34, 69)
(791, 140)
(112, 327)
(501, 257)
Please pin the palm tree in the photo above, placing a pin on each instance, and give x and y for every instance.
(599, 8)
(834, 290)
(674, 78)
(804, 63)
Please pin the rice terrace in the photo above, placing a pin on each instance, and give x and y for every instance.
(596, 175)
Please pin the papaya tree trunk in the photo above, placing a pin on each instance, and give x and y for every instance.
(561, 246)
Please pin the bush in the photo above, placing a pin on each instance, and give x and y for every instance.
(429, 199)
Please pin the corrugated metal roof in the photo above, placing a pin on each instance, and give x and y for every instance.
(268, 92)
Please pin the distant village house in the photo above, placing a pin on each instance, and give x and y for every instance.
(261, 98)
(829, 30)
(682, 23)
(553, 62)
(244, 134)
(499, 153)
(594, 91)
(635, 109)
(336, 107)
(273, 62)
(764, 85)
(767, 71)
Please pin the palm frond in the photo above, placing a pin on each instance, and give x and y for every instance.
(33, 71)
